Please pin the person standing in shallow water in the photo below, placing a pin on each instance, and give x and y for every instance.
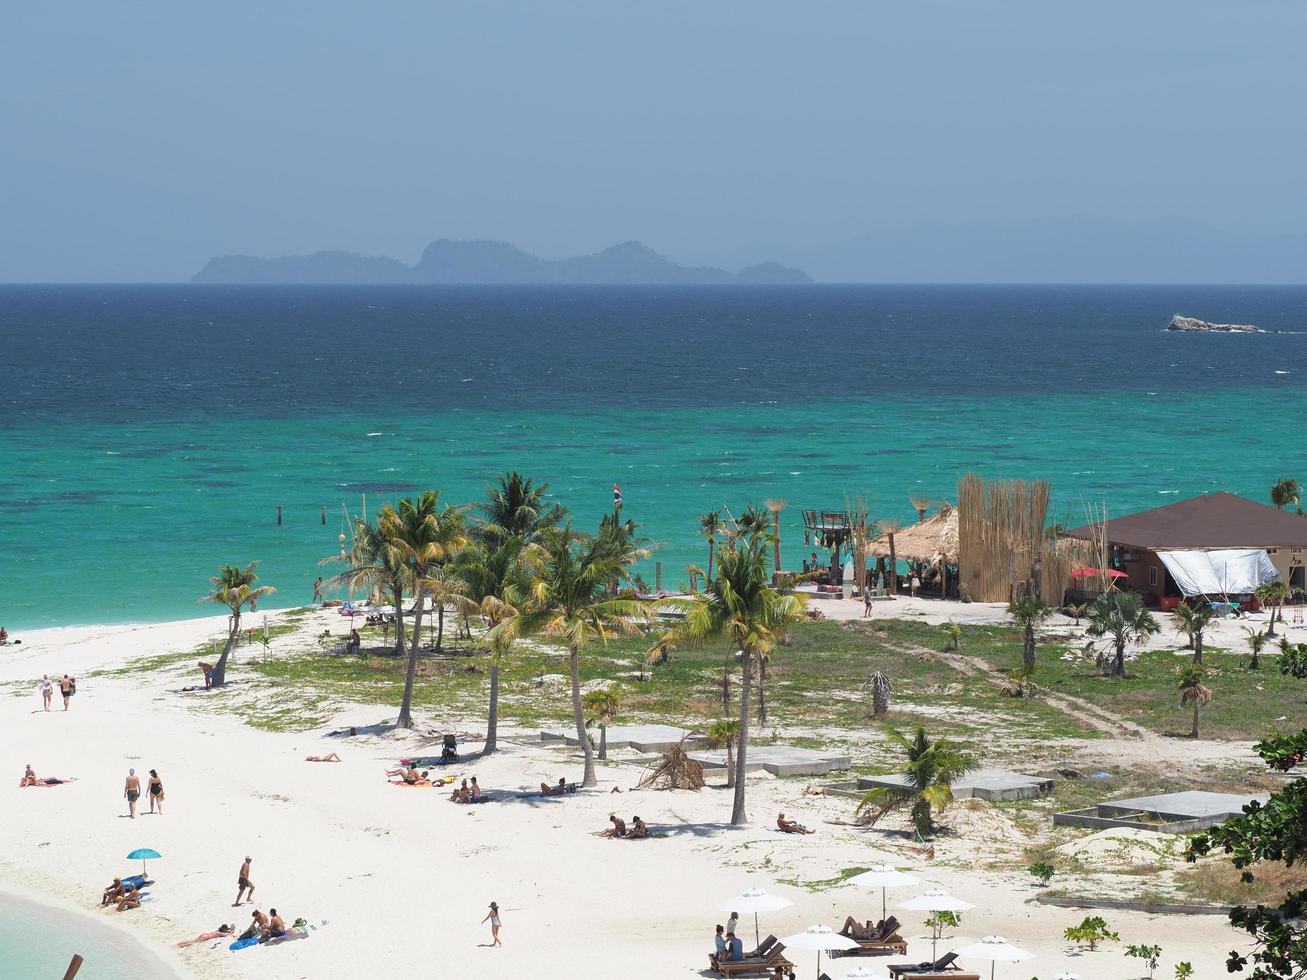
(317, 590)
(493, 916)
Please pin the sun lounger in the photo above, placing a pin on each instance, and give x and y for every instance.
(886, 940)
(942, 965)
(756, 966)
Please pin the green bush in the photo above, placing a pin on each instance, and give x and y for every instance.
(1043, 872)
(1149, 954)
(1091, 932)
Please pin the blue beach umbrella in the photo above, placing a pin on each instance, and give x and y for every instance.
(144, 854)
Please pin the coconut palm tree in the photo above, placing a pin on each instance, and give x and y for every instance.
(724, 733)
(233, 587)
(710, 525)
(374, 567)
(1286, 492)
(1194, 691)
(516, 508)
(568, 597)
(1192, 621)
(1256, 643)
(1027, 613)
(423, 536)
(931, 768)
(603, 703)
(741, 605)
(1121, 616)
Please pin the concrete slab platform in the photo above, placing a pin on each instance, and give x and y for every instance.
(642, 738)
(779, 760)
(982, 784)
(1168, 813)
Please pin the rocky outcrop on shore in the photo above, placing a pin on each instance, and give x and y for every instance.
(1188, 324)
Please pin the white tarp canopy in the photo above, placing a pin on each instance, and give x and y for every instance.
(1219, 572)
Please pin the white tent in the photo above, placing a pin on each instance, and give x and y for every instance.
(1219, 572)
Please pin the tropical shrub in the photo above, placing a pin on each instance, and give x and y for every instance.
(1092, 931)
(1149, 954)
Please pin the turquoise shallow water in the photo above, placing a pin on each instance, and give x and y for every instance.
(125, 524)
(148, 434)
(37, 942)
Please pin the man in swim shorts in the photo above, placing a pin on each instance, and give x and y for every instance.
(276, 926)
(132, 790)
(243, 882)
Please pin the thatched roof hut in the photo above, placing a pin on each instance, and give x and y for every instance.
(932, 540)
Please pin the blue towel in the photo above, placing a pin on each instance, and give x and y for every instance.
(242, 943)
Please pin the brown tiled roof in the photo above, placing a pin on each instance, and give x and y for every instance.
(1215, 520)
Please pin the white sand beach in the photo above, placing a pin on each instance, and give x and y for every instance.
(397, 880)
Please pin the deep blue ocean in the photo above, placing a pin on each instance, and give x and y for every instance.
(148, 433)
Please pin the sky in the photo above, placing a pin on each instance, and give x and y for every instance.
(139, 139)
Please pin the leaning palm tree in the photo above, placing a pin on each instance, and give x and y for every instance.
(603, 703)
(741, 605)
(710, 525)
(233, 587)
(931, 768)
(423, 536)
(1286, 492)
(1194, 691)
(567, 597)
(1256, 643)
(1273, 596)
(724, 733)
(1027, 613)
(1192, 621)
(1121, 616)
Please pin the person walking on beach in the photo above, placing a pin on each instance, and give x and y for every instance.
(154, 786)
(317, 591)
(132, 790)
(243, 882)
(47, 690)
(493, 916)
(67, 687)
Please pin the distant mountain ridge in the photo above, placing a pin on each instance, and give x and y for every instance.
(450, 262)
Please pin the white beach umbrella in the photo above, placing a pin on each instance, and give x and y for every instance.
(935, 900)
(997, 950)
(883, 876)
(819, 938)
(756, 900)
(860, 973)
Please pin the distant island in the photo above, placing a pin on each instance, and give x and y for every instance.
(488, 262)
(1189, 324)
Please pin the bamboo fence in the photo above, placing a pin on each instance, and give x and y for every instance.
(1001, 541)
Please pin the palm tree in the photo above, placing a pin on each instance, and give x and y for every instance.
(1027, 613)
(1256, 643)
(515, 508)
(373, 567)
(931, 768)
(724, 733)
(1192, 621)
(568, 597)
(603, 703)
(234, 588)
(1122, 617)
(422, 535)
(1076, 611)
(775, 507)
(1272, 596)
(1194, 691)
(741, 605)
(889, 528)
(1286, 492)
(710, 525)
(881, 689)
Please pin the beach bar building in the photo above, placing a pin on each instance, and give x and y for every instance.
(1216, 544)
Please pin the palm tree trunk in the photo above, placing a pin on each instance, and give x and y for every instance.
(440, 627)
(1118, 668)
(726, 683)
(405, 719)
(398, 595)
(1198, 648)
(574, 662)
(1193, 733)
(893, 577)
(1028, 649)
(738, 818)
(219, 675)
(603, 740)
(492, 723)
(708, 577)
(762, 690)
(730, 764)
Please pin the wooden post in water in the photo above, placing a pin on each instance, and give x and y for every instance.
(74, 965)
(658, 576)
(279, 515)
(324, 515)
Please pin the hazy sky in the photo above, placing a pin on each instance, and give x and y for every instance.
(139, 139)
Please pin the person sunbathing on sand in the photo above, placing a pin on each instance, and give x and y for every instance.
(618, 828)
(559, 790)
(329, 757)
(639, 830)
(204, 937)
(791, 826)
(256, 927)
(113, 893)
(474, 792)
(856, 930)
(132, 900)
(409, 775)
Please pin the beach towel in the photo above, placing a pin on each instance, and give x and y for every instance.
(243, 944)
